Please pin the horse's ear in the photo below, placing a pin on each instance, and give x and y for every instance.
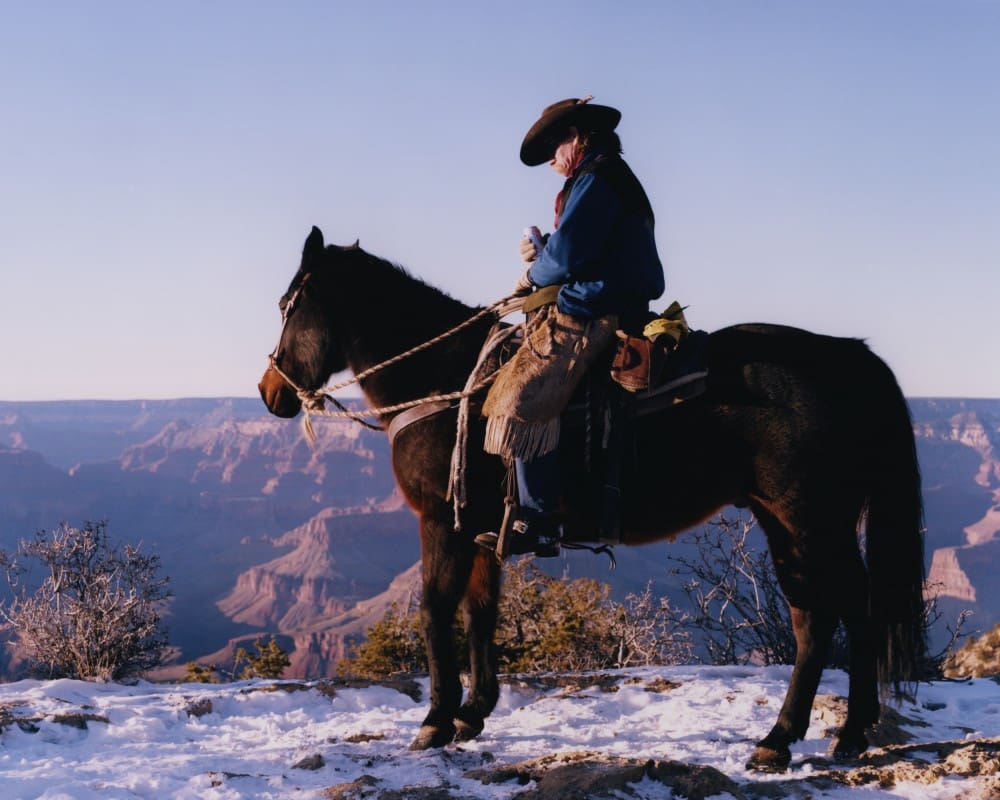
(314, 244)
(356, 245)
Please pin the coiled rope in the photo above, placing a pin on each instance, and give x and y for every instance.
(313, 400)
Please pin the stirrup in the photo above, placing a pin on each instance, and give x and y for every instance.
(519, 544)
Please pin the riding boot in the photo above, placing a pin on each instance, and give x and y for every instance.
(616, 435)
(536, 528)
(532, 533)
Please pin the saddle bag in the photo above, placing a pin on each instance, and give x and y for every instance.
(639, 361)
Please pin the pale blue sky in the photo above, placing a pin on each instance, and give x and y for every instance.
(833, 165)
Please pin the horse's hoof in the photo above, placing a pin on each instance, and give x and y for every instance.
(769, 759)
(430, 736)
(847, 747)
(466, 731)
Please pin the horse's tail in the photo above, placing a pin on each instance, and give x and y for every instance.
(894, 534)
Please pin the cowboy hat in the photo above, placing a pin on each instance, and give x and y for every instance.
(541, 141)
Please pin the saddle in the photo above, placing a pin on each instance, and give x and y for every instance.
(658, 358)
(662, 366)
(656, 363)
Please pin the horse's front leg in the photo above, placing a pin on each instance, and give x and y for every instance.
(480, 615)
(447, 562)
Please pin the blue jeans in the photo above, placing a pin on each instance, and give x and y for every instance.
(538, 483)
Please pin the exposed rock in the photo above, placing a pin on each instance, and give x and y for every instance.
(336, 561)
(661, 684)
(889, 730)
(80, 719)
(958, 442)
(199, 708)
(313, 762)
(946, 572)
(575, 776)
(253, 454)
(219, 778)
(361, 738)
(361, 789)
(25, 722)
(888, 766)
(366, 787)
(321, 644)
(403, 683)
(582, 776)
(341, 576)
(570, 682)
(694, 781)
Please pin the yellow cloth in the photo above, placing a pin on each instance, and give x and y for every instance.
(670, 323)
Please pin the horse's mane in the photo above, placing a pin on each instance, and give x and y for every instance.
(401, 292)
(387, 311)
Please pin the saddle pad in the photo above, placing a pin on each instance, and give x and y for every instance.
(685, 387)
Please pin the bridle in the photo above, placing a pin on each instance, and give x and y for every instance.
(286, 312)
(313, 400)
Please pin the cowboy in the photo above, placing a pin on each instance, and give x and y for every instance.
(599, 266)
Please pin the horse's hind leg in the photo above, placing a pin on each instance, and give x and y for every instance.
(824, 579)
(862, 702)
(813, 634)
(480, 615)
(813, 624)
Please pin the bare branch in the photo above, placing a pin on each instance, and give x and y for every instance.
(95, 614)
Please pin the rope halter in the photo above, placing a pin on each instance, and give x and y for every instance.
(314, 400)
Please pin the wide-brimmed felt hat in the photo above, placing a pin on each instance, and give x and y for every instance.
(545, 136)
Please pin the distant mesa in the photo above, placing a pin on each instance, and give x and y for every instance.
(262, 534)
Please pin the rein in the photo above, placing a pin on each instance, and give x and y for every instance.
(313, 400)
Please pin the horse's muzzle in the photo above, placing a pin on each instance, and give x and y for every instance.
(278, 396)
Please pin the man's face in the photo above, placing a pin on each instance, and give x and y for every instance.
(565, 159)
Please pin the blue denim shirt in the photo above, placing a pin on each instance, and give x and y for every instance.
(604, 255)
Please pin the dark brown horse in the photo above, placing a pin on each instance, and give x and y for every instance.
(810, 432)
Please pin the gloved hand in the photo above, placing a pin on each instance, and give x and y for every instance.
(524, 285)
(528, 251)
(531, 243)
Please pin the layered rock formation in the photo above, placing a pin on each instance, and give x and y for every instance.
(216, 490)
(959, 448)
(261, 534)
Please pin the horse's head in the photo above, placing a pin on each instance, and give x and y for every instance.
(307, 352)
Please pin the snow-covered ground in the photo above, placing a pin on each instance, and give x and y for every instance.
(278, 739)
